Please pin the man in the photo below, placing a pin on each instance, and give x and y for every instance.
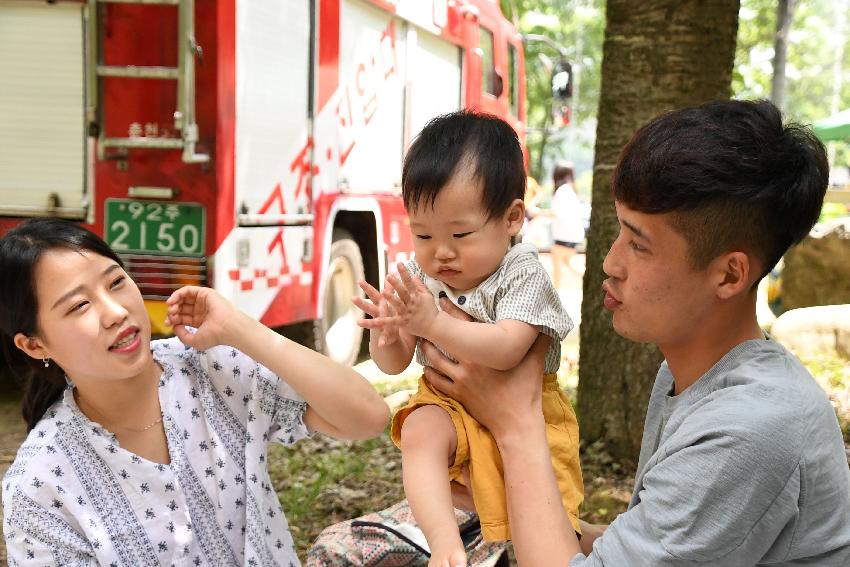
(742, 461)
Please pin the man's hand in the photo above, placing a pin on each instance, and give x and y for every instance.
(499, 400)
(589, 534)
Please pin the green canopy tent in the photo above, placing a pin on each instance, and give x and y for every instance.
(835, 127)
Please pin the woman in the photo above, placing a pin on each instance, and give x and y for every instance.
(151, 453)
(567, 223)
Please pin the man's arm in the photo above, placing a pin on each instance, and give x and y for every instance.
(540, 528)
(723, 491)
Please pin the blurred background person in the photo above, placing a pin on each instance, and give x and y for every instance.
(567, 222)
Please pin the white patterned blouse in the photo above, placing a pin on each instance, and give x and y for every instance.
(73, 496)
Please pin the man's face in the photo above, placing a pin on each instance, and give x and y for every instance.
(653, 292)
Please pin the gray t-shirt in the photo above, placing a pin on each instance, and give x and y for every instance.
(746, 467)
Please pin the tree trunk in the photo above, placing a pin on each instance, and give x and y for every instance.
(784, 16)
(658, 55)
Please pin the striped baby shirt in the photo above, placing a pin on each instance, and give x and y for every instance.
(520, 289)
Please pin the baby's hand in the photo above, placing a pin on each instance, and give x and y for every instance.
(412, 302)
(381, 312)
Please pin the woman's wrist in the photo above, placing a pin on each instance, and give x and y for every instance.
(243, 331)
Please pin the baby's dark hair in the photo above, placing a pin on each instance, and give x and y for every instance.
(20, 251)
(732, 175)
(481, 145)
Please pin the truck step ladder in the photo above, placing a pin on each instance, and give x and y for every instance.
(183, 74)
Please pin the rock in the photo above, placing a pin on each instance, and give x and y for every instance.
(815, 331)
(817, 271)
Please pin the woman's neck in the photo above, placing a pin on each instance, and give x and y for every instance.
(130, 404)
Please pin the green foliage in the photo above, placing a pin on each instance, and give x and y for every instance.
(577, 26)
(814, 43)
(321, 481)
(833, 375)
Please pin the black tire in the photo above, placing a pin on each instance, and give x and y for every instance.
(336, 334)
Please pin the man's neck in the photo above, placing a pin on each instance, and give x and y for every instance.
(690, 359)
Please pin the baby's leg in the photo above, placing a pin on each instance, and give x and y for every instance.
(428, 444)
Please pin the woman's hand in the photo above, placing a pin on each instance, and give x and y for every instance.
(213, 316)
(502, 401)
(340, 402)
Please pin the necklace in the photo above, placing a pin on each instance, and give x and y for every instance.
(124, 427)
(145, 428)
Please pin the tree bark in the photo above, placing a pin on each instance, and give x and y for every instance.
(784, 17)
(658, 55)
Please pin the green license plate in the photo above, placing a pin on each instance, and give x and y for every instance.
(150, 227)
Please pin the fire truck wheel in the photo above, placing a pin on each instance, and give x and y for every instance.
(336, 333)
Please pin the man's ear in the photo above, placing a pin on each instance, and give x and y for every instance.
(31, 346)
(515, 217)
(734, 270)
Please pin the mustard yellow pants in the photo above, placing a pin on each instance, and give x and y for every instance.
(477, 448)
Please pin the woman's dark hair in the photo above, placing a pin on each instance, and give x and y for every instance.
(563, 173)
(482, 145)
(20, 251)
(733, 176)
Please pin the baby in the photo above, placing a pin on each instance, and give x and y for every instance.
(463, 184)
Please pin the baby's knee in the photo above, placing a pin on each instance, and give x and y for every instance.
(428, 428)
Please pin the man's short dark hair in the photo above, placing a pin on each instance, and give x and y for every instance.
(734, 177)
(479, 145)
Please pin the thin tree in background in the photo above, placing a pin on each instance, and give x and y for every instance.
(657, 56)
(784, 17)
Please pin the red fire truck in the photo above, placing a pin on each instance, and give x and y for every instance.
(254, 146)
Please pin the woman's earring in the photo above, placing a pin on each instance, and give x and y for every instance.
(46, 362)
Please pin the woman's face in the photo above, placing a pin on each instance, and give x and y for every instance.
(91, 317)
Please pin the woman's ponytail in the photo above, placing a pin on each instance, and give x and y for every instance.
(42, 389)
(42, 385)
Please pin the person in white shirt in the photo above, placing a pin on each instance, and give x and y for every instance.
(151, 453)
(567, 222)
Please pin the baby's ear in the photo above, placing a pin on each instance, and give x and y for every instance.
(515, 217)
